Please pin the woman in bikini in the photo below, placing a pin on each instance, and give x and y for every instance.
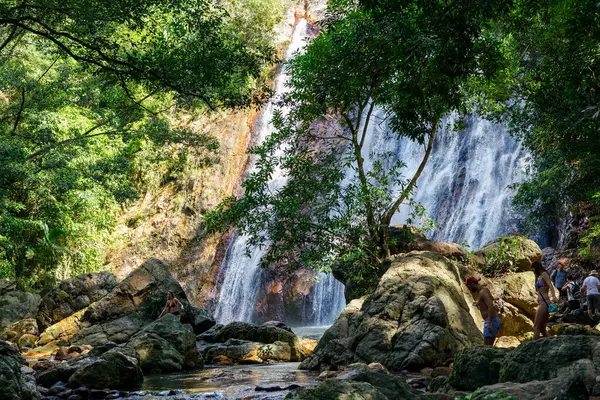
(173, 305)
(546, 296)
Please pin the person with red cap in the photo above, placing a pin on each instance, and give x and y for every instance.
(485, 303)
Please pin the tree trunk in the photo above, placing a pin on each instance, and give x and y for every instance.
(387, 219)
(306, 9)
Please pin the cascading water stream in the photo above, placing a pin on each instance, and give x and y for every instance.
(467, 184)
(242, 274)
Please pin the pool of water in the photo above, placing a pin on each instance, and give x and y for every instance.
(239, 381)
(310, 332)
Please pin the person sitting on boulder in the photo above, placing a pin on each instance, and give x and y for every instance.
(173, 305)
(591, 286)
(572, 289)
(485, 303)
(546, 297)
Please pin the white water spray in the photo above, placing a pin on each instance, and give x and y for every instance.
(467, 186)
(242, 274)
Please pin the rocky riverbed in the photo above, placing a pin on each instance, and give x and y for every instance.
(415, 336)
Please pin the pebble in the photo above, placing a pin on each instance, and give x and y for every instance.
(57, 388)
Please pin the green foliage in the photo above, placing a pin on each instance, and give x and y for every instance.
(500, 259)
(92, 95)
(412, 61)
(190, 46)
(555, 101)
(590, 242)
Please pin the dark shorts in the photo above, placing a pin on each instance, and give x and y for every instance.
(593, 302)
(574, 305)
(496, 324)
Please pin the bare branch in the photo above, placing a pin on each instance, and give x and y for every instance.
(9, 38)
(20, 113)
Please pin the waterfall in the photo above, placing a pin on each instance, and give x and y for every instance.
(467, 186)
(242, 274)
(328, 301)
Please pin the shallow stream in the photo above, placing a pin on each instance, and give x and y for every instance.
(234, 382)
(240, 381)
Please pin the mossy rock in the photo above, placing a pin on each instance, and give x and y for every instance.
(511, 253)
(475, 367)
(338, 390)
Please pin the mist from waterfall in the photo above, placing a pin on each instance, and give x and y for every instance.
(242, 273)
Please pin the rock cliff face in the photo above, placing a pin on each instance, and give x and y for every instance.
(166, 222)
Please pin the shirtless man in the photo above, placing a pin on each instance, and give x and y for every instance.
(485, 302)
(173, 305)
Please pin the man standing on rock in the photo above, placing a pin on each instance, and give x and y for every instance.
(485, 302)
(591, 286)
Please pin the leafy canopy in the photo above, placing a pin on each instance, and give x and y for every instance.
(92, 99)
(554, 89)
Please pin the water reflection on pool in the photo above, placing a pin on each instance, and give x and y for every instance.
(234, 380)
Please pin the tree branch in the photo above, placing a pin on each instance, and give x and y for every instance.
(104, 60)
(408, 189)
(9, 38)
(20, 113)
(85, 136)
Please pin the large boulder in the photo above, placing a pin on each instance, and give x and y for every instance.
(66, 328)
(564, 388)
(519, 291)
(515, 299)
(476, 366)
(403, 239)
(404, 242)
(72, 295)
(200, 319)
(115, 369)
(16, 305)
(359, 382)
(553, 357)
(338, 390)
(418, 316)
(392, 386)
(240, 352)
(135, 302)
(60, 372)
(247, 343)
(166, 345)
(15, 385)
(18, 329)
(266, 333)
(514, 252)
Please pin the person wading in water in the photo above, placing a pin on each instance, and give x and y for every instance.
(173, 305)
(485, 302)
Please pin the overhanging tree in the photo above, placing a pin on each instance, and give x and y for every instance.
(410, 60)
(93, 95)
(555, 88)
